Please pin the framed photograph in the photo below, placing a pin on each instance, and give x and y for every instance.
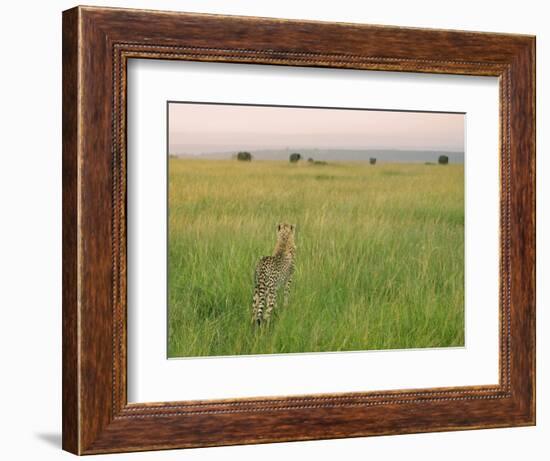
(281, 230)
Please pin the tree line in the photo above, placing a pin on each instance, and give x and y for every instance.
(295, 157)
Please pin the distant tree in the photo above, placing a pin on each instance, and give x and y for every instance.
(310, 160)
(244, 156)
(443, 160)
(372, 161)
(295, 157)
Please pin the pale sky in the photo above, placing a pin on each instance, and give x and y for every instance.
(208, 128)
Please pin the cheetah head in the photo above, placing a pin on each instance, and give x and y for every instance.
(286, 232)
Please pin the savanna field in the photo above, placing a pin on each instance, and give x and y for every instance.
(379, 259)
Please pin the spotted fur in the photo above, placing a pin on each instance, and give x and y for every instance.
(273, 273)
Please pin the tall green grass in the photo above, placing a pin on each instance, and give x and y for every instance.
(379, 265)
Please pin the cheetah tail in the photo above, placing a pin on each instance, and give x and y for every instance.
(257, 309)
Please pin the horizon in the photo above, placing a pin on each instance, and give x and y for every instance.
(335, 156)
(291, 150)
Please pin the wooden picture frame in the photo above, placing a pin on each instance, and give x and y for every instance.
(97, 43)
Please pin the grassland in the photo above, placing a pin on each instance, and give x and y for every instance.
(380, 256)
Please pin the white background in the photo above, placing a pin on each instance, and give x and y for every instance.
(153, 378)
(30, 244)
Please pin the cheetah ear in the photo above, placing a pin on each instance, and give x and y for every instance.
(293, 227)
(278, 227)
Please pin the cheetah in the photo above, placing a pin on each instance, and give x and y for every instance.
(272, 273)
